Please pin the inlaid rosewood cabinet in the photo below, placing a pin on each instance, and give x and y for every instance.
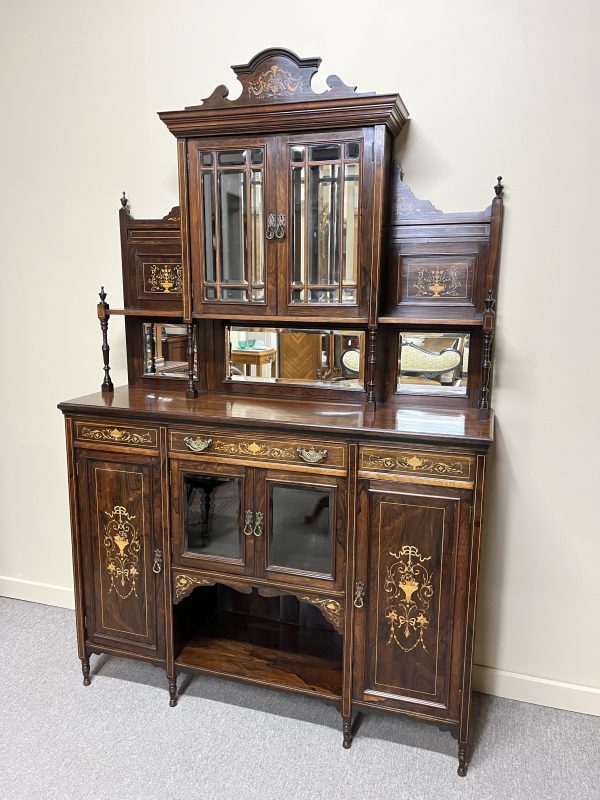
(289, 489)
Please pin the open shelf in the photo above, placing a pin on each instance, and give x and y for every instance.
(294, 657)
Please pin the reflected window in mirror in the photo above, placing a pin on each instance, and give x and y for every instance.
(433, 363)
(315, 357)
(165, 350)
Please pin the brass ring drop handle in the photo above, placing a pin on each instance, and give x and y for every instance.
(359, 594)
(198, 445)
(270, 232)
(280, 229)
(248, 524)
(258, 530)
(312, 456)
(158, 562)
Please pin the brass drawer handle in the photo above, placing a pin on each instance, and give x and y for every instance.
(258, 529)
(281, 225)
(271, 226)
(312, 456)
(248, 524)
(359, 594)
(158, 562)
(198, 445)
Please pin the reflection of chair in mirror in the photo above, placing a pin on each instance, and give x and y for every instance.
(442, 366)
(350, 361)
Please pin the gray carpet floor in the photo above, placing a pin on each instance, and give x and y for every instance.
(118, 738)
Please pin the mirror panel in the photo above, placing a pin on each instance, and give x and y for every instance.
(433, 363)
(295, 356)
(165, 351)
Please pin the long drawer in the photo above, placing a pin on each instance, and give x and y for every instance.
(417, 464)
(116, 433)
(260, 449)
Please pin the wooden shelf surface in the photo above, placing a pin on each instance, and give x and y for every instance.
(146, 312)
(257, 650)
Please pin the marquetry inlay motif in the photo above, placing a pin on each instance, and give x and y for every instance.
(122, 546)
(274, 82)
(253, 448)
(409, 593)
(162, 278)
(419, 464)
(116, 435)
(437, 283)
(184, 584)
(331, 609)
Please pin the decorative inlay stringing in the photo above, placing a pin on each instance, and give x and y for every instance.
(122, 546)
(409, 594)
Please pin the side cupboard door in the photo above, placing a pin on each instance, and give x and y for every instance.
(119, 501)
(407, 595)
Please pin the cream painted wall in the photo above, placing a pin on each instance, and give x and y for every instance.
(493, 88)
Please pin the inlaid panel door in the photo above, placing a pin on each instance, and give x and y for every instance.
(121, 538)
(407, 596)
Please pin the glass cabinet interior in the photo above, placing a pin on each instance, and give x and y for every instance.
(165, 351)
(232, 185)
(296, 356)
(324, 225)
(431, 363)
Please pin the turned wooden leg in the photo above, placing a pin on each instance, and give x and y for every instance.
(85, 668)
(462, 759)
(173, 692)
(347, 730)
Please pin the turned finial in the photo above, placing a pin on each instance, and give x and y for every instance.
(124, 200)
(102, 294)
(499, 188)
(490, 301)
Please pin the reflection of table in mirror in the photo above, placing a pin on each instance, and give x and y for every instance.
(256, 358)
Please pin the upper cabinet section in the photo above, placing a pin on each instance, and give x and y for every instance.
(282, 193)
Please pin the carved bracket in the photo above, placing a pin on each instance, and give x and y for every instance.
(331, 608)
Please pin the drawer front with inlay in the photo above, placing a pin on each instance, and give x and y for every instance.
(127, 435)
(420, 464)
(248, 448)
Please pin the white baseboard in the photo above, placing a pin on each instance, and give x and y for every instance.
(498, 682)
(35, 592)
(541, 691)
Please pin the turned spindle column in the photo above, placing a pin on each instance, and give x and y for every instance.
(104, 316)
(191, 390)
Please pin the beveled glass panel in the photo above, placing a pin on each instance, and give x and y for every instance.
(232, 226)
(324, 230)
(207, 159)
(256, 156)
(208, 201)
(350, 226)
(210, 292)
(433, 363)
(316, 357)
(324, 152)
(212, 514)
(297, 152)
(165, 351)
(348, 295)
(323, 296)
(234, 294)
(301, 529)
(298, 224)
(257, 226)
(232, 158)
(352, 150)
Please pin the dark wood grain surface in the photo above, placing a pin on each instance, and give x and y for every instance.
(459, 427)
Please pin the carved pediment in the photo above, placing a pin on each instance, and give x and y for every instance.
(277, 75)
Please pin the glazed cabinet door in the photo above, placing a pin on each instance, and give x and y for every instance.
(121, 543)
(212, 518)
(300, 528)
(324, 257)
(409, 558)
(232, 225)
